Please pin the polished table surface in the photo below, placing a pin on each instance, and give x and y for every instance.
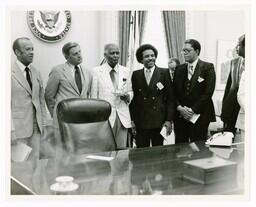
(144, 171)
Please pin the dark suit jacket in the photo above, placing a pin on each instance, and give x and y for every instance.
(230, 106)
(150, 106)
(201, 90)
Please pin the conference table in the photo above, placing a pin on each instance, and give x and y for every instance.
(136, 171)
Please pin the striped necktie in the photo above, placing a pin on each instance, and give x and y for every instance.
(190, 71)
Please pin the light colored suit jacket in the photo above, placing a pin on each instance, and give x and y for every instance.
(241, 100)
(23, 100)
(61, 85)
(102, 88)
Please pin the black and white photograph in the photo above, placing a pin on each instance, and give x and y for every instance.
(129, 102)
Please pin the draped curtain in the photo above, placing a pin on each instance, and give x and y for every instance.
(124, 31)
(124, 23)
(174, 23)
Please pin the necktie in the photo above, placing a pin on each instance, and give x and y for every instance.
(147, 75)
(190, 72)
(113, 77)
(28, 77)
(78, 78)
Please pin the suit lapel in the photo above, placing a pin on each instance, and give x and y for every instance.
(85, 80)
(35, 82)
(155, 77)
(196, 74)
(105, 77)
(68, 74)
(144, 85)
(17, 74)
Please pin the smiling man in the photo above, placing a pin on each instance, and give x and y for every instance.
(68, 80)
(153, 104)
(111, 82)
(194, 84)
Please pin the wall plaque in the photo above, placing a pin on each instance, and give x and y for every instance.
(49, 26)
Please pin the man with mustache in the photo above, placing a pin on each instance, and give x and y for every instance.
(111, 82)
(28, 112)
(153, 104)
(194, 83)
(68, 80)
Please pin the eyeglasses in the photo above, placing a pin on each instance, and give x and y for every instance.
(186, 50)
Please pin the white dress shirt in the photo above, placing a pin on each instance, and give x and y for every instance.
(193, 65)
(22, 68)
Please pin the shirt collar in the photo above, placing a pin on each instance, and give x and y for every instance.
(193, 64)
(109, 68)
(72, 66)
(152, 69)
(21, 66)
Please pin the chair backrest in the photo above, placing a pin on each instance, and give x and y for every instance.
(84, 125)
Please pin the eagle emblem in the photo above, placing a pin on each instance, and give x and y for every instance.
(49, 18)
(49, 26)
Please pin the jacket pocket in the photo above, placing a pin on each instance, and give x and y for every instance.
(18, 114)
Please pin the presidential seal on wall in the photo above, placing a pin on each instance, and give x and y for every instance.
(49, 26)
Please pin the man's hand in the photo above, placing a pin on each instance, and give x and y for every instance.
(125, 97)
(185, 112)
(168, 126)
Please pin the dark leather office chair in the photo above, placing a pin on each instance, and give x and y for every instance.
(84, 125)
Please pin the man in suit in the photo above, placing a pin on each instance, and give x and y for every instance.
(194, 84)
(28, 111)
(68, 80)
(153, 104)
(240, 123)
(230, 105)
(111, 82)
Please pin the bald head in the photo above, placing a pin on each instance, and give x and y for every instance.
(112, 54)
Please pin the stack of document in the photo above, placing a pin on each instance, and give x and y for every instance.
(20, 152)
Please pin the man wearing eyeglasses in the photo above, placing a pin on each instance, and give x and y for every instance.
(194, 83)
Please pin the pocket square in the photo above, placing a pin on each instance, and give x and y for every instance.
(159, 85)
(200, 79)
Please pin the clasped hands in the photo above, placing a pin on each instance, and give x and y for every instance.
(168, 126)
(124, 96)
(186, 112)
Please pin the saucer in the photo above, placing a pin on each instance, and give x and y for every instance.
(57, 187)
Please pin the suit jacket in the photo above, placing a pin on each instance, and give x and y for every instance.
(61, 85)
(102, 88)
(24, 101)
(200, 94)
(152, 104)
(241, 100)
(230, 106)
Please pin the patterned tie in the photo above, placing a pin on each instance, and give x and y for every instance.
(112, 74)
(78, 78)
(190, 72)
(28, 77)
(147, 75)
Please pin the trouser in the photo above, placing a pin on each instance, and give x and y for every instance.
(188, 132)
(120, 133)
(145, 136)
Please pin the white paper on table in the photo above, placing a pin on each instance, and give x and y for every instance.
(169, 137)
(20, 152)
(194, 118)
(96, 157)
